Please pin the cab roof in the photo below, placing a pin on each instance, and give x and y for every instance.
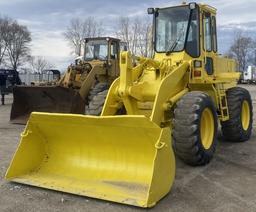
(201, 5)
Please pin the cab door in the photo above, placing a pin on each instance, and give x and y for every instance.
(210, 41)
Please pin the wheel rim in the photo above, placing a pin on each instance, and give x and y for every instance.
(245, 115)
(207, 128)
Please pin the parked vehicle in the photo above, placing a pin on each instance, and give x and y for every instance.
(249, 76)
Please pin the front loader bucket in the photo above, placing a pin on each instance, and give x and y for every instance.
(54, 99)
(125, 159)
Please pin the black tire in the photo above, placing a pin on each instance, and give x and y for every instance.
(99, 87)
(233, 129)
(96, 99)
(187, 133)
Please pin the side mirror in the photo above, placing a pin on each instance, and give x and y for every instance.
(151, 11)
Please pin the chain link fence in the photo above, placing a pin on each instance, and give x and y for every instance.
(34, 78)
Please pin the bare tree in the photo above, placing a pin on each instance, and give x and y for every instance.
(4, 31)
(241, 50)
(80, 29)
(144, 38)
(123, 30)
(38, 64)
(17, 44)
(252, 57)
(137, 33)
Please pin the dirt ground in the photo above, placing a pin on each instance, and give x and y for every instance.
(228, 183)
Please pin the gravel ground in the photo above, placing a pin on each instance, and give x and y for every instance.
(228, 183)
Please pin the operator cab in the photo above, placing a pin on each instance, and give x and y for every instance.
(104, 51)
(96, 50)
(179, 29)
(102, 48)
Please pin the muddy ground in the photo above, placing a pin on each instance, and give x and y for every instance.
(228, 183)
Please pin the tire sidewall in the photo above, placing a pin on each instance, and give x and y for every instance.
(208, 104)
(246, 133)
(232, 129)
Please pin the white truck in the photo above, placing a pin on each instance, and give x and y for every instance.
(249, 76)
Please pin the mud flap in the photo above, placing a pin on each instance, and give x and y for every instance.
(125, 159)
(54, 99)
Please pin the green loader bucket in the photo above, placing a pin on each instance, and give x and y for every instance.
(53, 99)
(125, 159)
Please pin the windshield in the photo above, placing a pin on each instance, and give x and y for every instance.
(171, 30)
(96, 49)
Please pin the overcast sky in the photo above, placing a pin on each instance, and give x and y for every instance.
(47, 19)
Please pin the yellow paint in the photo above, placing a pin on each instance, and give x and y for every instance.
(207, 128)
(122, 158)
(245, 115)
(103, 157)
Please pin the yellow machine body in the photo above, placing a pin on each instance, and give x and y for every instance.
(125, 158)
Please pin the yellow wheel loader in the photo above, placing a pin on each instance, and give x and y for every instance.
(75, 91)
(173, 100)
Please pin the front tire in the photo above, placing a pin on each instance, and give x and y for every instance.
(195, 128)
(97, 99)
(239, 126)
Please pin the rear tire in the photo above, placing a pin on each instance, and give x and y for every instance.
(97, 99)
(195, 128)
(239, 126)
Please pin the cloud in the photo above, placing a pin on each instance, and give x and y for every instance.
(48, 19)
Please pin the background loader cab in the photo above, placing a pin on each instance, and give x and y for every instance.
(104, 52)
(89, 77)
(100, 53)
(101, 56)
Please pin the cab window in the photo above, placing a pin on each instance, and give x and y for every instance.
(193, 44)
(207, 32)
(214, 34)
(113, 50)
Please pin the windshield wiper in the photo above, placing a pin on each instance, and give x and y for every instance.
(175, 43)
(173, 46)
